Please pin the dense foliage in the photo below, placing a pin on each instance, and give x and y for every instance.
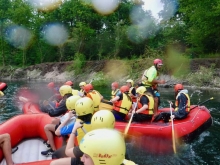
(191, 27)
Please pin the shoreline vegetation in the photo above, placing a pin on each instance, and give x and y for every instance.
(199, 73)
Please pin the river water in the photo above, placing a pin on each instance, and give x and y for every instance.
(204, 150)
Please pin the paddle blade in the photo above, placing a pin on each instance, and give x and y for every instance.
(174, 141)
(1, 94)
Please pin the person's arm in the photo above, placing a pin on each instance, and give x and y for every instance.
(144, 76)
(58, 130)
(116, 98)
(158, 81)
(133, 93)
(71, 141)
(152, 75)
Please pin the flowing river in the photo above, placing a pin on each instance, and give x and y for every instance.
(205, 149)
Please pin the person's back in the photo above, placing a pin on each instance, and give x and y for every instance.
(94, 95)
(182, 103)
(181, 107)
(121, 104)
(65, 91)
(115, 89)
(145, 106)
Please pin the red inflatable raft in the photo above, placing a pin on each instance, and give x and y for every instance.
(3, 86)
(27, 132)
(198, 120)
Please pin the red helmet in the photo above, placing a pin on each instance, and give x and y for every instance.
(70, 83)
(88, 87)
(178, 87)
(51, 85)
(158, 62)
(115, 84)
(124, 88)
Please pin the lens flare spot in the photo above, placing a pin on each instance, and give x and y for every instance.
(55, 34)
(18, 36)
(144, 25)
(105, 7)
(45, 5)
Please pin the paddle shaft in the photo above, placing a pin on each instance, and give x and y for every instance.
(202, 103)
(129, 123)
(91, 81)
(198, 104)
(173, 134)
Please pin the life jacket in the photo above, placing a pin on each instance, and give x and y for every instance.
(150, 110)
(114, 93)
(123, 105)
(134, 99)
(95, 96)
(146, 83)
(187, 107)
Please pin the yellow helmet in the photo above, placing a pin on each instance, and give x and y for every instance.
(103, 119)
(82, 84)
(130, 81)
(84, 106)
(71, 101)
(141, 90)
(65, 89)
(104, 146)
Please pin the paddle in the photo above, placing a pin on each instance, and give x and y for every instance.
(202, 103)
(106, 101)
(173, 133)
(91, 81)
(129, 123)
(1, 94)
(23, 99)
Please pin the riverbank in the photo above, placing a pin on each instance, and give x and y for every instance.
(107, 70)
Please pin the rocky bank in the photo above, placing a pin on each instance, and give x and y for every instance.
(112, 69)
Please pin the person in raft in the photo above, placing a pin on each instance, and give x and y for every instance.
(121, 104)
(115, 89)
(5, 145)
(132, 90)
(84, 110)
(53, 100)
(150, 81)
(93, 94)
(81, 86)
(101, 119)
(182, 105)
(145, 105)
(97, 141)
(65, 92)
